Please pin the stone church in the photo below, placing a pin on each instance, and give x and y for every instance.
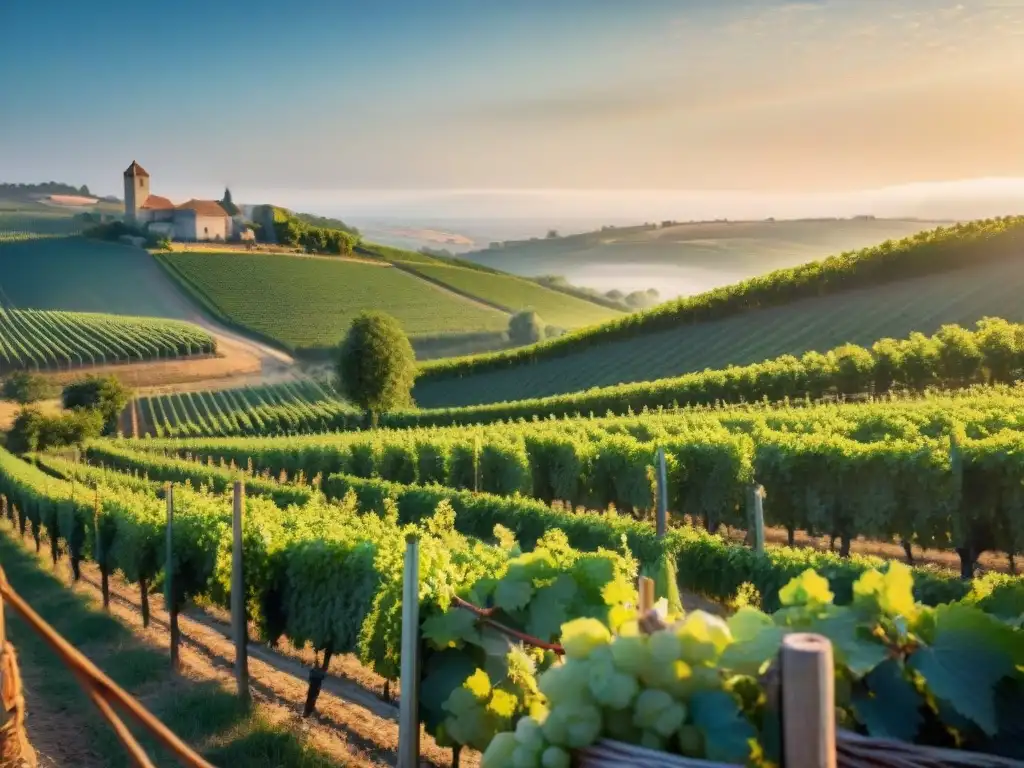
(195, 220)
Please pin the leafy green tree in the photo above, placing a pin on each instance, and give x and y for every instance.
(25, 388)
(101, 393)
(525, 327)
(377, 364)
(23, 436)
(32, 431)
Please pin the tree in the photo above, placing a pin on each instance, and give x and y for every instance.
(32, 431)
(552, 234)
(525, 327)
(101, 393)
(23, 436)
(25, 388)
(376, 364)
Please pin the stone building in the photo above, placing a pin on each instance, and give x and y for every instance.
(195, 220)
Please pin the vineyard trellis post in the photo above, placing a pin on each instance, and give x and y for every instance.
(807, 697)
(172, 604)
(239, 625)
(757, 495)
(408, 711)
(662, 519)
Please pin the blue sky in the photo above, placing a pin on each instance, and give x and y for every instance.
(315, 96)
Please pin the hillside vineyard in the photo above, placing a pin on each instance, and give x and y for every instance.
(953, 274)
(35, 339)
(955, 357)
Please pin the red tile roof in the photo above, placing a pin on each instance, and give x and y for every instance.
(136, 170)
(203, 208)
(157, 203)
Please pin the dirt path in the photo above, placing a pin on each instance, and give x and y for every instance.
(351, 713)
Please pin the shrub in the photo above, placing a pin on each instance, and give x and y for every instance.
(101, 393)
(525, 327)
(32, 431)
(26, 388)
(377, 365)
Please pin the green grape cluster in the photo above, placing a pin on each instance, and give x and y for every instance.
(634, 687)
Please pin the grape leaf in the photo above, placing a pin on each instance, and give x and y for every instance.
(727, 733)
(450, 629)
(749, 654)
(442, 673)
(512, 594)
(852, 642)
(548, 612)
(965, 661)
(893, 711)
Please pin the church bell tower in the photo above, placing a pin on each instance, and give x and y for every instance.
(136, 191)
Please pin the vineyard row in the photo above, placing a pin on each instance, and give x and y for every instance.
(37, 339)
(706, 563)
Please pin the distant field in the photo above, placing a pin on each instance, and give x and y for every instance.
(82, 275)
(34, 339)
(514, 294)
(688, 258)
(861, 316)
(307, 303)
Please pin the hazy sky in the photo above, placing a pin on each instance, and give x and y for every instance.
(272, 97)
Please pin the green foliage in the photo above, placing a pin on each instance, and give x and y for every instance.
(326, 574)
(297, 230)
(936, 676)
(32, 431)
(953, 358)
(105, 394)
(25, 388)
(376, 364)
(525, 327)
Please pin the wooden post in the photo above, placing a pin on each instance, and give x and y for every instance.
(239, 625)
(172, 603)
(646, 592)
(408, 714)
(808, 702)
(662, 520)
(757, 523)
(104, 568)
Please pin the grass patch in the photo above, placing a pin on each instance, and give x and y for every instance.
(203, 713)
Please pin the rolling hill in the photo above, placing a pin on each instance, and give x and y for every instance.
(307, 303)
(513, 294)
(80, 275)
(956, 275)
(686, 258)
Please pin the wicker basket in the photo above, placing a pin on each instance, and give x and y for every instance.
(852, 751)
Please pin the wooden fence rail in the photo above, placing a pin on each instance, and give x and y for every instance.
(104, 692)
